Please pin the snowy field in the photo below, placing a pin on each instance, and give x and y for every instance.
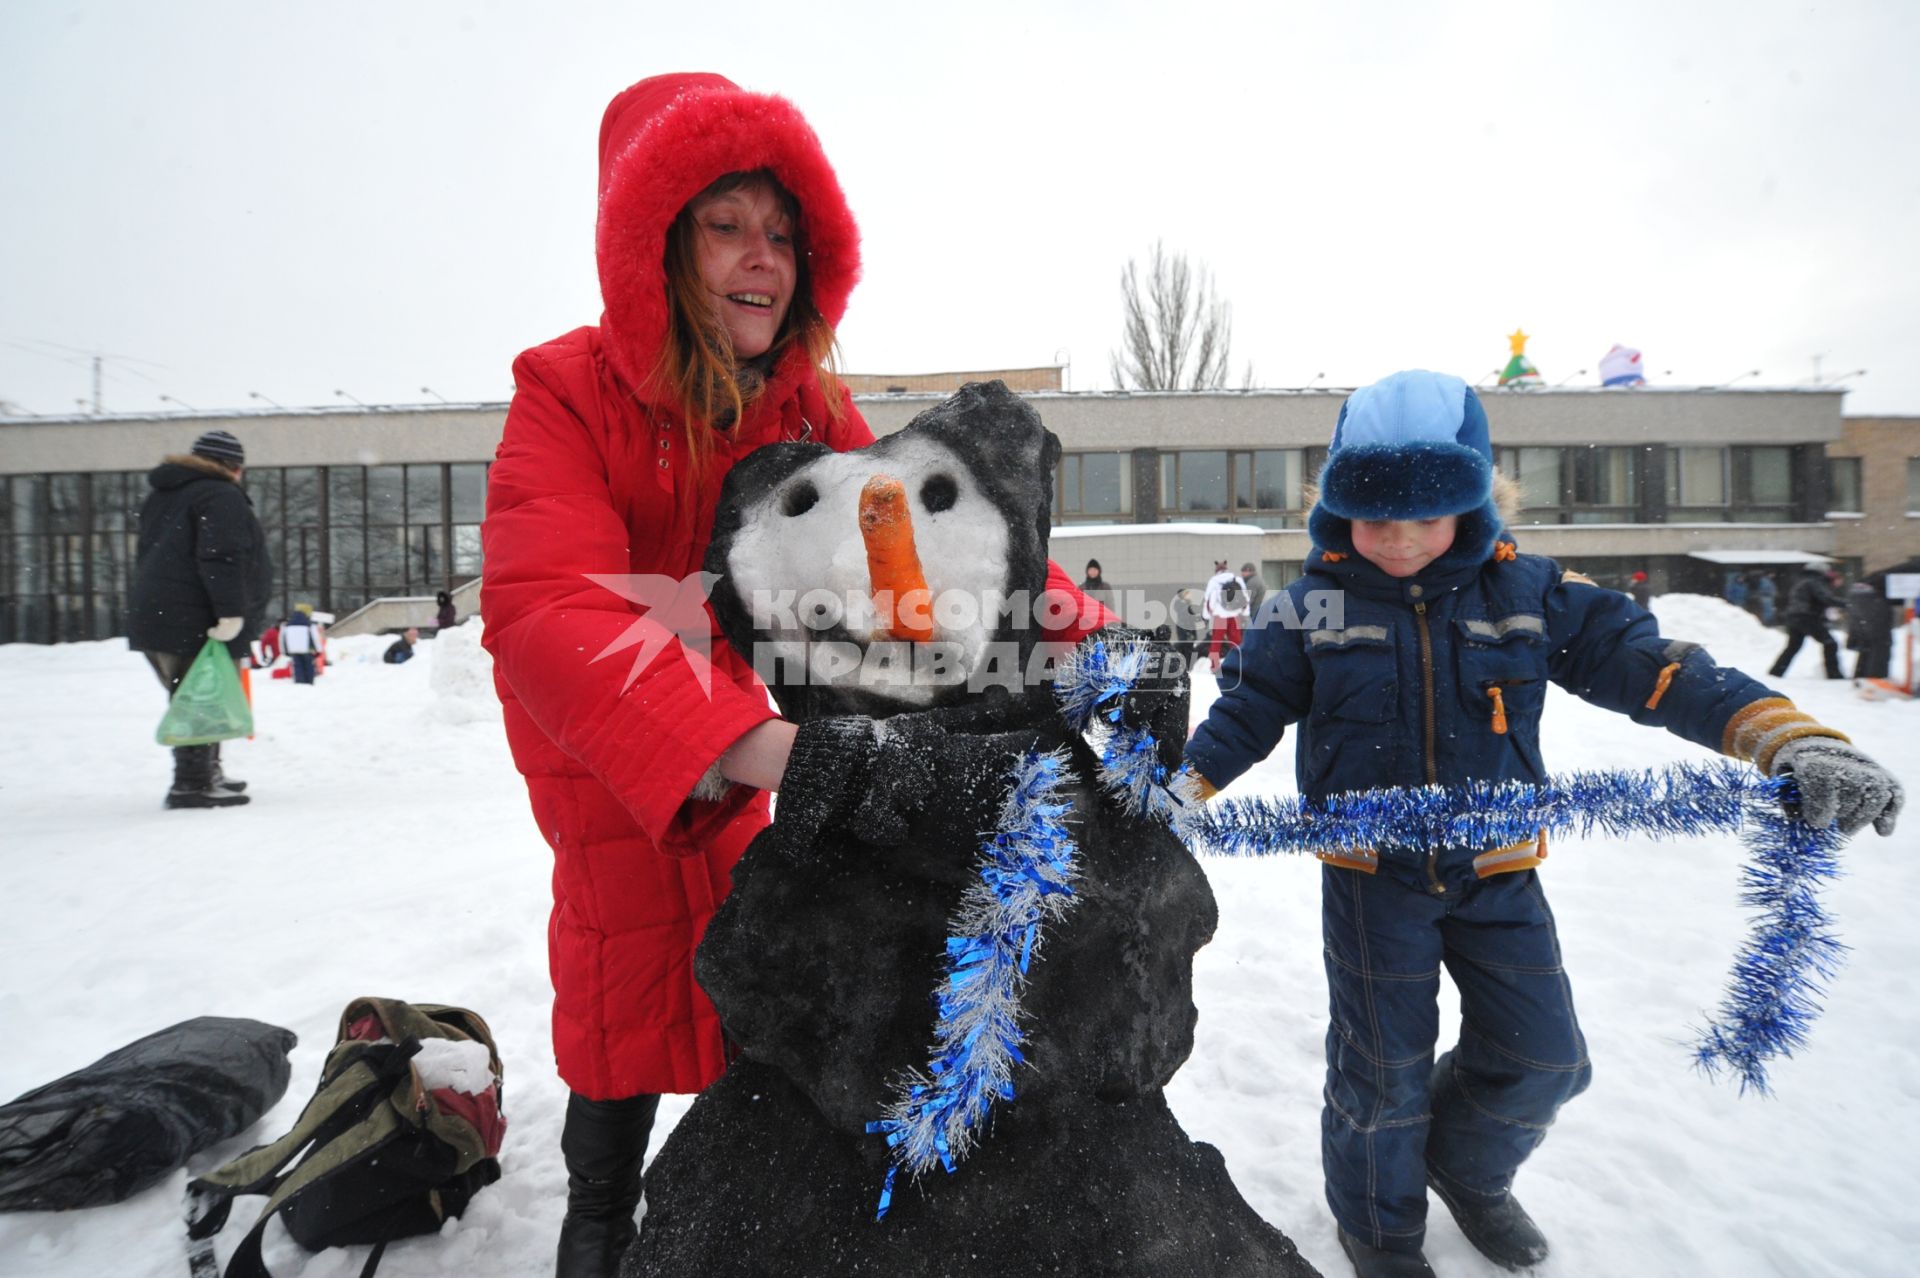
(389, 850)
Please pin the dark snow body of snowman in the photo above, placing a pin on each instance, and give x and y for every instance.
(824, 960)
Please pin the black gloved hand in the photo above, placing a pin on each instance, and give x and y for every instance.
(1839, 785)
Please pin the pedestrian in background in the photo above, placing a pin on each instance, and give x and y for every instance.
(1256, 589)
(400, 651)
(301, 638)
(201, 571)
(1226, 604)
(1807, 606)
(1095, 586)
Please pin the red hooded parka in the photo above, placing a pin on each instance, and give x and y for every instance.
(590, 480)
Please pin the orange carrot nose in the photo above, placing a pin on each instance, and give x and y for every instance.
(1499, 709)
(893, 564)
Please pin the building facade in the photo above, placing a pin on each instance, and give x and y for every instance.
(364, 503)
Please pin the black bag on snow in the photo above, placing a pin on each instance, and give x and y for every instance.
(104, 1133)
(387, 1154)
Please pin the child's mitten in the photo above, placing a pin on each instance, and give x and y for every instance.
(1839, 784)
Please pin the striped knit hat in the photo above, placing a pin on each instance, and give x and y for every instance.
(220, 446)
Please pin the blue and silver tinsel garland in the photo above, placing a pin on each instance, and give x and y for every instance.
(1027, 868)
(1773, 993)
(1026, 874)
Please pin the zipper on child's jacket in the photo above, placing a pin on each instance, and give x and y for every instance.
(1435, 886)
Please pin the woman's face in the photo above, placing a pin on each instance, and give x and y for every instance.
(743, 247)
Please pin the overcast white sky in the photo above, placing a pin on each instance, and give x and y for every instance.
(293, 199)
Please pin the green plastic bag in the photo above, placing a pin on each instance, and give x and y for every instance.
(210, 704)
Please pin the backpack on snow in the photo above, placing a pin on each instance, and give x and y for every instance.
(403, 1131)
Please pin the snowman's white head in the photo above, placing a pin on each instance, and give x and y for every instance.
(899, 576)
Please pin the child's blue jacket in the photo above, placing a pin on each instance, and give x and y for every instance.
(1440, 678)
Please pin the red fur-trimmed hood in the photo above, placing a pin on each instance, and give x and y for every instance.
(661, 143)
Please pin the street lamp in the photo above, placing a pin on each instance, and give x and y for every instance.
(1829, 381)
(428, 390)
(1751, 372)
(1578, 372)
(343, 395)
(263, 399)
(1491, 372)
(168, 399)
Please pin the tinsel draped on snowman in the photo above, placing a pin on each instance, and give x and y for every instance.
(892, 599)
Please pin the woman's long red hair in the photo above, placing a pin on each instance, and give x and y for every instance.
(697, 370)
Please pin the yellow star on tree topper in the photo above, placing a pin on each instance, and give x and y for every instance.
(1517, 341)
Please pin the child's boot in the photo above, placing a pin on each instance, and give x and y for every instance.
(1499, 1228)
(1373, 1262)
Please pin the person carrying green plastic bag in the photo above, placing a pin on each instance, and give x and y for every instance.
(201, 572)
(210, 705)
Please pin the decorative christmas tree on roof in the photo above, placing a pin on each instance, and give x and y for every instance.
(1519, 370)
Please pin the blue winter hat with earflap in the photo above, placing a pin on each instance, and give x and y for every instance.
(1410, 446)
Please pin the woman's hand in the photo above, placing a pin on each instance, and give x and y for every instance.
(759, 758)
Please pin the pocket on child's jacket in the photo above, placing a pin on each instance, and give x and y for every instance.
(1500, 666)
(1349, 735)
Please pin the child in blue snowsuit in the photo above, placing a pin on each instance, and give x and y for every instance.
(1434, 673)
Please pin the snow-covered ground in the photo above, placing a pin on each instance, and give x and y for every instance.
(389, 850)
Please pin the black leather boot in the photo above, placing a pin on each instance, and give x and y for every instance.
(1373, 1262)
(221, 781)
(193, 781)
(1500, 1229)
(605, 1146)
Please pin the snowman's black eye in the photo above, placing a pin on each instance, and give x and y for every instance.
(799, 499)
(939, 493)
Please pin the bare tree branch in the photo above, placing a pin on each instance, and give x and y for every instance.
(1177, 335)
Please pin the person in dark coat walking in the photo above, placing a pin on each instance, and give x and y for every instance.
(1806, 618)
(201, 571)
(448, 615)
(1642, 592)
(1870, 626)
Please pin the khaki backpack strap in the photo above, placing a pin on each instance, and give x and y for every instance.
(349, 1103)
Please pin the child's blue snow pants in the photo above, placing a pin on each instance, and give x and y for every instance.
(1393, 1117)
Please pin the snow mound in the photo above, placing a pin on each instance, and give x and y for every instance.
(1724, 630)
(462, 678)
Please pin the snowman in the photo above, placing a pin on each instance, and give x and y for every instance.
(890, 598)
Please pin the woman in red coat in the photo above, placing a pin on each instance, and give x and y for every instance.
(726, 253)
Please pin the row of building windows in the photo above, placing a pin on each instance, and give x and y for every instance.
(339, 536)
(343, 535)
(1598, 484)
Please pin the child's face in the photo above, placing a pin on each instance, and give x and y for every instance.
(1402, 547)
